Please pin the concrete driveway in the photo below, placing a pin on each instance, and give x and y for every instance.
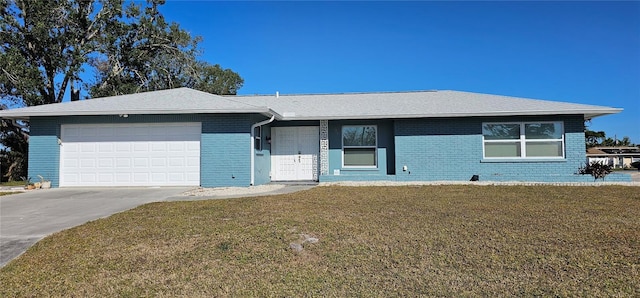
(28, 217)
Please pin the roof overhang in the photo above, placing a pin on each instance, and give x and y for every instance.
(587, 114)
(26, 115)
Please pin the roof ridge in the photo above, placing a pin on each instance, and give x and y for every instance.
(339, 93)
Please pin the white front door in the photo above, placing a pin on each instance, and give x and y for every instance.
(294, 153)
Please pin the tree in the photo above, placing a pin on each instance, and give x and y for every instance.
(48, 47)
(609, 142)
(146, 53)
(593, 138)
(45, 44)
(13, 155)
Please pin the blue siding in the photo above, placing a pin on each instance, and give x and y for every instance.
(224, 146)
(44, 151)
(434, 149)
(445, 149)
(262, 166)
(385, 152)
(224, 153)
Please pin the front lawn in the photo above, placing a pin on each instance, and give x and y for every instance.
(372, 241)
(12, 183)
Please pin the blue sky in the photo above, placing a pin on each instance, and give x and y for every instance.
(582, 52)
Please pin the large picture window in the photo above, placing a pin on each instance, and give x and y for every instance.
(523, 140)
(359, 145)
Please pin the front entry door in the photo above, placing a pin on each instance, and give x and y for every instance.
(294, 155)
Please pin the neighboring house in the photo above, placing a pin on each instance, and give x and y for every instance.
(187, 137)
(617, 157)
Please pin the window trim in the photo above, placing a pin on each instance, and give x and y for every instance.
(374, 147)
(257, 138)
(523, 141)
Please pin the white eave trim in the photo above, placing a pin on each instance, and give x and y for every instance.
(588, 114)
(26, 115)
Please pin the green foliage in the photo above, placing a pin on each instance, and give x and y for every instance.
(45, 46)
(597, 169)
(13, 157)
(609, 142)
(599, 138)
(145, 52)
(593, 138)
(635, 164)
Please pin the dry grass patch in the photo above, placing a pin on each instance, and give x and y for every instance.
(373, 241)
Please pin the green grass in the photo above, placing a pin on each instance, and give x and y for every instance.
(12, 183)
(373, 241)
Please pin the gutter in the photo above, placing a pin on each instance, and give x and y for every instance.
(253, 150)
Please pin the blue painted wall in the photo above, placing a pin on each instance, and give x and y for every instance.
(44, 151)
(385, 153)
(224, 144)
(441, 149)
(262, 173)
(224, 150)
(434, 149)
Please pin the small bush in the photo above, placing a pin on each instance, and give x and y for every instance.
(597, 169)
(636, 164)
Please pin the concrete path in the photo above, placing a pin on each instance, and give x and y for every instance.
(27, 217)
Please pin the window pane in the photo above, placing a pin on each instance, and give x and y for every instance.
(498, 131)
(543, 130)
(359, 135)
(544, 149)
(359, 156)
(502, 149)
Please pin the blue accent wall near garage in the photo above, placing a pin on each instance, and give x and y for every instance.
(224, 153)
(224, 144)
(44, 150)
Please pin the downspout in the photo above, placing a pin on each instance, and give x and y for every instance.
(253, 148)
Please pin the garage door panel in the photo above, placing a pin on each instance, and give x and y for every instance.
(123, 163)
(122, 177)
(105, 178)
(89, 177)
(158, 162)
(130, 155)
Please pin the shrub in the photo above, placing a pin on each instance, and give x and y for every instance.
(597, 169)
(636, 164)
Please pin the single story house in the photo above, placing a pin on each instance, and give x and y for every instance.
(187, 137)
(617, 157)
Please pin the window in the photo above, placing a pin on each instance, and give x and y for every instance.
(523, 140)
(257, 136)
(359, 145)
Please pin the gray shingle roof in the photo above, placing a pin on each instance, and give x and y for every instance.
(417, 104)
(172, 101)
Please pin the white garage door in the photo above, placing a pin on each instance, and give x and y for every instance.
(162, 154)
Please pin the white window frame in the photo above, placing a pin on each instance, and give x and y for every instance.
(523, 141)
(257, 138)
(375, 147)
